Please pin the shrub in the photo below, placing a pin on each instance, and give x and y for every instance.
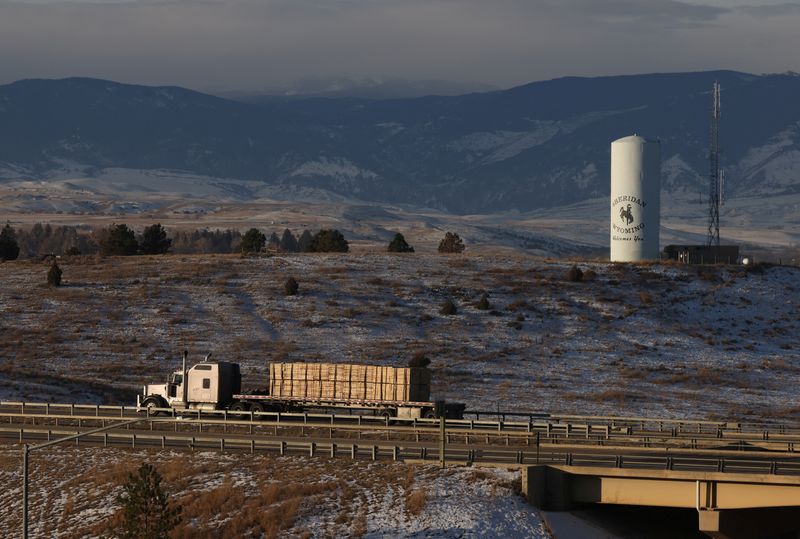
(483, 303)
(589, 275)
(419, 359)
(118, 240)
(155, 240)
(253, 241)
(290, 287)
(54, 275)
(146, 511)
(416, 500)
(73, 251)
(574, 275)
(399, 245)
(451, 243)
(328, 241)
(448, 308)
(9, 248)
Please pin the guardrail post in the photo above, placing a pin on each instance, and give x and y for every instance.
(353, 451)
(395, 451)
(283, 448)
(374, 452)
(333, 450)
(222, 444)
(252, 446)
(163, 442)
(133, 440)
(311, 447)
(71, 409)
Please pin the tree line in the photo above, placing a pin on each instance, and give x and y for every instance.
(121, 240)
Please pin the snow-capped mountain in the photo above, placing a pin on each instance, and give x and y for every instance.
(534, 146)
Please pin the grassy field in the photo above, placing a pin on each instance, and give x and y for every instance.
(74, 491)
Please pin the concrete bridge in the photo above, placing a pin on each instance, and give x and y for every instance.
(728, 505)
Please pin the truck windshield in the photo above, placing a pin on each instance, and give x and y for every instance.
(177, 379)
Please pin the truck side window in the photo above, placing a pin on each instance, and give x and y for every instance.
(206, 383)
(178, 379)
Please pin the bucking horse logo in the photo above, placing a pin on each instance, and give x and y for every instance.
(626, 215)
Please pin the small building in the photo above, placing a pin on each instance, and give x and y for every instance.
(702, 254)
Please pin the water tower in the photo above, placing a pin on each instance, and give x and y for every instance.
(635, 199)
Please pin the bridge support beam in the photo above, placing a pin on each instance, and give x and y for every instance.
(547, 488)
(750, 523)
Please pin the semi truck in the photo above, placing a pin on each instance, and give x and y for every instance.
(401, 392)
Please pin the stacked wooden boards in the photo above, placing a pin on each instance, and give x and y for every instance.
(349, 382)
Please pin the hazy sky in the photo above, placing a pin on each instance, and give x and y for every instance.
(246, 44)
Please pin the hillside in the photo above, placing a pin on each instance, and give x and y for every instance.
(654, 340)
(535, 146)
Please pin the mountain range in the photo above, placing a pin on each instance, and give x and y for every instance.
(538, 145)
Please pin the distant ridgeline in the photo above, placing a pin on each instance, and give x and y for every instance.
(538, 145)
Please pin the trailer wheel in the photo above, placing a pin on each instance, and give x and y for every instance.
(150, 404)
(429, 414)
(387, 416)
(258, 407)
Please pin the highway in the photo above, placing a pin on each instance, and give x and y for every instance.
(631, 443)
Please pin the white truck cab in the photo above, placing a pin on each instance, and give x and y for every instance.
(209, 385)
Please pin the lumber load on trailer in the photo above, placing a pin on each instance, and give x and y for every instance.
(349, 382)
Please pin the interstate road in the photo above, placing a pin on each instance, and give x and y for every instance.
(380, 444)
(599, 431)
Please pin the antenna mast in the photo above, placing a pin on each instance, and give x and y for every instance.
(715, 177)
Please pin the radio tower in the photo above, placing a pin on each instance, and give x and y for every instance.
(715, 192)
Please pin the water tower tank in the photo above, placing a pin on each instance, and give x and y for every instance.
(635, 199)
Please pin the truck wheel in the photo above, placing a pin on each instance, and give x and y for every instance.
(429, 414)
(239, 407)
(387, 416)
(150, 405)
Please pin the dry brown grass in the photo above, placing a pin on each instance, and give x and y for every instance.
(416, 501)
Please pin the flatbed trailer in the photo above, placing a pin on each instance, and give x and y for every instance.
(385, 408)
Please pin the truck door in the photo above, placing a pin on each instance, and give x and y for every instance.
(175, 388)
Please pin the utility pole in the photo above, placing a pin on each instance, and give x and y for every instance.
(714, 177)
(25, 491)
(441, 413)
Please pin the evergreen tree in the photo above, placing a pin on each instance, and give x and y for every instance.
(305, 241)
(288, 242)
(146, 511)
(253, 241)
(328, 241)
(155, 240)
(9, 248)
(451, 243)
(274, 243)
(399, 245)
(419, 360)
(54, 275)
(118, 240)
